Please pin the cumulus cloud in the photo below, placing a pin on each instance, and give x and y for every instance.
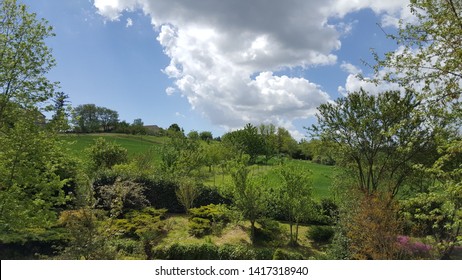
(224, 54)
(390, 11)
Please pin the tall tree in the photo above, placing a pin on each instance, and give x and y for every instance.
(247, 141)
(24, 58)
(31, 156)
(85, 118)
(379, 136)
(430, 55)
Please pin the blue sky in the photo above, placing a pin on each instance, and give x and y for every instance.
(215, 65)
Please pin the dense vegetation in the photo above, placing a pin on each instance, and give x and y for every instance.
(381, 178)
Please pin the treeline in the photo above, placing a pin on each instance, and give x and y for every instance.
(264, 140)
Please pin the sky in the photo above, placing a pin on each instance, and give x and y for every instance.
(215, 65)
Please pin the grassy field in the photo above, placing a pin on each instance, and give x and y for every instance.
(321, 175)
(135, 144)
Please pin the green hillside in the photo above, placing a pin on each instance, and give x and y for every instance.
(322, 175)
(135, 144)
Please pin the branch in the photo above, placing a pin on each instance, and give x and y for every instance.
(453, 8)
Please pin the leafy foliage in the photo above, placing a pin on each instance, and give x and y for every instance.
(248, 196)
(380, 137)
(208, 219)
(104, 154)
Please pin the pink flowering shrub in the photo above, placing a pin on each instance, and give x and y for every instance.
(412, 249)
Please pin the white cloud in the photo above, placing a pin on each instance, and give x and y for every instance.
(129, 22)
(170, 91)
(224, 54)
(390, 11)
(350, 68)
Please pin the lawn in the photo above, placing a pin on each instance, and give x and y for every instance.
(135, 144)
(321, 175)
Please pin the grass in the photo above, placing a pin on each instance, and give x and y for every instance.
(235, 233)
(135, 144)
(322, 175)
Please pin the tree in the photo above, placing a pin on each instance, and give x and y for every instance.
(296, 197)
(31, 156)
(104, 154)
(246, 141)
(108, 118)
(438, 211)
(248, 196)
(85, 118)
(431, 54)
(193, 135)
(187, 192)
(25, 60)
(430, 58)
(91, 118)
(60, 107)
(206, 136)
(138, 127)
(380, 136)
(286, 144)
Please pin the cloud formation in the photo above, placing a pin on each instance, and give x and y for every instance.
(224, 54)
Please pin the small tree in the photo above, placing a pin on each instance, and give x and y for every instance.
(248, 196)
(296, 197)
(187, 192)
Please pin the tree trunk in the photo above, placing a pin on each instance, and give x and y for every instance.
(252, 232)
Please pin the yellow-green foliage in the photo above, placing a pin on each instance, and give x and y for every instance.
(138, 224)
(208, 219)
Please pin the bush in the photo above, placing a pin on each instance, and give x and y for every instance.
(270, 230)
(105, 155)
(204, 251)
(208, 219)
(243, 252)
(199, 227)
(321, 234)
(138, 224)
(281, 254)
(160, 192)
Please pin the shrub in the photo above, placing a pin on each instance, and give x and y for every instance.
(199, 227)
(321, 234)
(281, 254)
(204, 251)
(243, 252)
(270, 230)
(104, 154)
(138, 224)
(412, 249)
(208, 219)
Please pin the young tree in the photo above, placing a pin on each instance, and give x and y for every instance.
(248, 196)
(187, 192)
(296, 197)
